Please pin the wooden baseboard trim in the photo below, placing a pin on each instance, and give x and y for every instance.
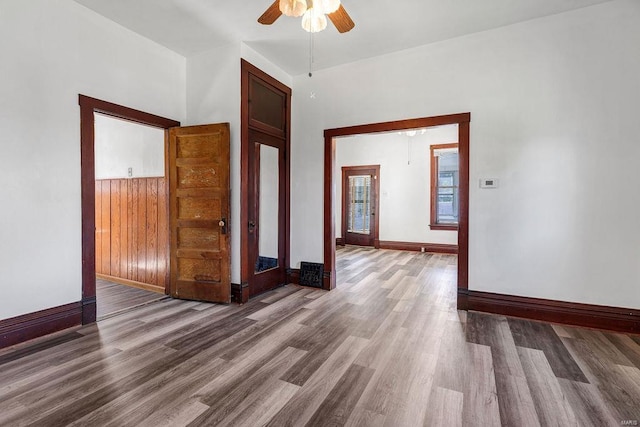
(33, 325)
(132, 283)
(240, 292)
(339, 241)
(89, 310)
(417, 247)
(293, 276)
(586, 315)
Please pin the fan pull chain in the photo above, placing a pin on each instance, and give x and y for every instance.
(311, 54)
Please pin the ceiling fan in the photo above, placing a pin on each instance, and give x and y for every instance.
(314, 14)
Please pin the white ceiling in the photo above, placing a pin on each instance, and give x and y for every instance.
(382, 26)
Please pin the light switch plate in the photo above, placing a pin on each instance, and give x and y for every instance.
(488, 183)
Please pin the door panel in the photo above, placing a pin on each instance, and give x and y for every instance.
(360, 205)
(266, 237)
(199, 211)
(268, 107)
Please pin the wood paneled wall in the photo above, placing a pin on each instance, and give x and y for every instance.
(132, 230)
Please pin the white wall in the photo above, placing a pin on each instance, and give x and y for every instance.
(404, 181)
(213, 96)
(53, 50)
(121, 145)
(554, 105)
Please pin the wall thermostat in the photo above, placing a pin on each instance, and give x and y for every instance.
(488, 183)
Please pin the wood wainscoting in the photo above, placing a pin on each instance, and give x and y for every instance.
(132, 231)
(586, 315)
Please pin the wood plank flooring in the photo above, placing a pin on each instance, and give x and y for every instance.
(386, 348)
(114, 298)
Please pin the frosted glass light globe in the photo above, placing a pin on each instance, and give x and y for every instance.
(314, 20)
(293, 7)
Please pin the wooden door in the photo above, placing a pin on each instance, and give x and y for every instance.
(199, 213)
(360, 205)
(264, 153)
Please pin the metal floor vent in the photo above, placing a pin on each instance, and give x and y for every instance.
(311, 274)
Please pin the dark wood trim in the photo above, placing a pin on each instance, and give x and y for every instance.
(375, 186)
(89, 106)
(245, 263)
(398, 125)
(293, 276)
(33, 325)
(463, 297)
(126, 113)
(339, 241)
(462, 120)
(329, 250)
(433, 194)
(585, 315)
(282, 91)
(439, 248)
(132, 283)
(237, 292)
(249, 71)
(449, 227)
(463, 219)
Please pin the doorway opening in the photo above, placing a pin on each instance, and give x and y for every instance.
(131, 214)
(90, 108)
(331, 136)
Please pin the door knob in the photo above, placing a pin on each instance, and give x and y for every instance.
(223, 225)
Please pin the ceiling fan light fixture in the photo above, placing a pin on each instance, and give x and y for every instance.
(314, 20)
(293, 8)
(330, 6)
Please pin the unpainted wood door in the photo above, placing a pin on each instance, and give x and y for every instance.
(360, 205)
(199, 213)
(265, 171)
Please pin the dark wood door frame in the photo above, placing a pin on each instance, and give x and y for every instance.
(247, 125)
(330, 135)
(375, 187)
(89, 106)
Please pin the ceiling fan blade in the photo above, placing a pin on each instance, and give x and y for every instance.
(342, 20)
(270, 15)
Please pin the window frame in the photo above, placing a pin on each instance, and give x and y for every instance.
(433, 197)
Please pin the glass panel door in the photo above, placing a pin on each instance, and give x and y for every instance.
(360, 186)
(359, 204)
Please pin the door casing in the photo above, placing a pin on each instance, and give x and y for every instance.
(462, 120)
(89, 106)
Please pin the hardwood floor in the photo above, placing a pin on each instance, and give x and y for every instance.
(114, 298)
(386, 348)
